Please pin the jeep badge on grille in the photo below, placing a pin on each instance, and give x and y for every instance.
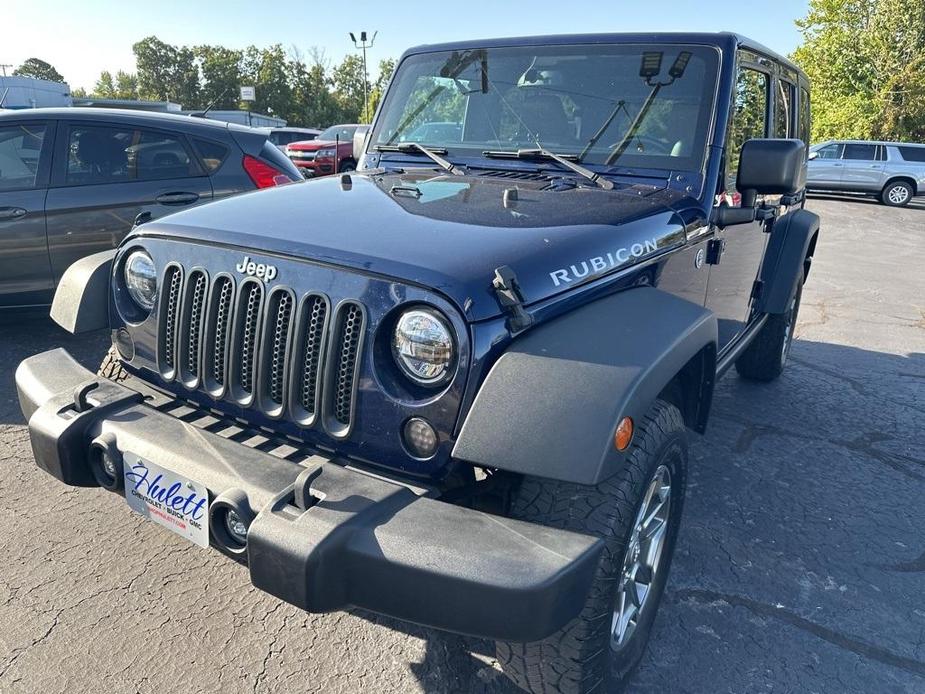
(259, 270)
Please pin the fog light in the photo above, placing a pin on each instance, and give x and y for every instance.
(236, 526)
(420, 438)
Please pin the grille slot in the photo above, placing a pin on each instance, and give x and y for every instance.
(246, 333)
(170, 314)
(215, 340)
(306, 366)
(189, 330)
(343, 364)
(277, 337)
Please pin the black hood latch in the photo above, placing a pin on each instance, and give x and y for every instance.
(507, 290)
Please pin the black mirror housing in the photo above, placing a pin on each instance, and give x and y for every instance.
(772, 167)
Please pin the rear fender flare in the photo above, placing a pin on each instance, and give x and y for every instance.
(550, 404)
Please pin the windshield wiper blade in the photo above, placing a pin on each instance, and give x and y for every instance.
(433, 154)
(563, 160)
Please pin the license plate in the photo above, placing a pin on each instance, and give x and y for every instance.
(174, 501)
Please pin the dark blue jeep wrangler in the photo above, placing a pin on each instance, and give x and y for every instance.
(454, 387)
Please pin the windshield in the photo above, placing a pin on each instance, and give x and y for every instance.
(640, 105)
(337, 132)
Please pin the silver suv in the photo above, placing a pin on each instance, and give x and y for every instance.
(893, 171)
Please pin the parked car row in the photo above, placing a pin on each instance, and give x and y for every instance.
(74, 181)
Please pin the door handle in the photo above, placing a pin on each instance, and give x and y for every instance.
(177, 198)
(11, 213)
(837, 164)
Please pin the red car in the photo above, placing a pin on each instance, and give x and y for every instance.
(331, 152)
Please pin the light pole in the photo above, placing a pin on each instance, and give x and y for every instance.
(364, 45)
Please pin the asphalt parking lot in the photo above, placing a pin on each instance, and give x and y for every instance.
(800, 564)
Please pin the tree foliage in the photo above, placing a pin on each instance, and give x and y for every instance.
(305, 91)
(39, 69)
(866, 60)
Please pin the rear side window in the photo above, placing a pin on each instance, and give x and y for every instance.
(912, 153)
(100, 154)
(20, 150)
(860, 152)
(783, 110)
(805, 131)
(213, 154)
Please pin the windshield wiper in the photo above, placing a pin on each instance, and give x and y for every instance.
(433, 154)
(563, 160)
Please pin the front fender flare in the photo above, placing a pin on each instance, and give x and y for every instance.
(81, 302)
(786, 262)
(550, 404)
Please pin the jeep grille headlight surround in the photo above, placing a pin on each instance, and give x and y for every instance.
(141, 278)
(423, 346)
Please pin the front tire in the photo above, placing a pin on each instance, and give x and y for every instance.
(637, 512)
(765, 358)
(897, 194)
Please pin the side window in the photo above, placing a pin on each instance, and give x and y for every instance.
(749, 120)
(912, 153)
(99, 154)
(211, 153)
(20, 150)
(829, 152)
(805, 131)
(860, 152)
(783, 109)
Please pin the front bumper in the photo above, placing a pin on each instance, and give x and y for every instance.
(325, 536)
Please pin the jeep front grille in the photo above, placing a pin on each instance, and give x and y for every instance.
(273, 350)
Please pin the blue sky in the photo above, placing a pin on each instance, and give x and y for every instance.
(82, 38)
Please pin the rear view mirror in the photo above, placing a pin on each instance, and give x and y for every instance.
(359, 142)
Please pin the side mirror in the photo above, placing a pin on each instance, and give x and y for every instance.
(766, 167)
(359, 141)
(771, 167)
(813, 155)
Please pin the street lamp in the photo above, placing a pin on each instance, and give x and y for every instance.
(362, 43)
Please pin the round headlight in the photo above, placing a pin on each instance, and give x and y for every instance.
(423, 347)
(141, 279)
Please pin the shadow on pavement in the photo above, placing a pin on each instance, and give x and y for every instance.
(25, 333)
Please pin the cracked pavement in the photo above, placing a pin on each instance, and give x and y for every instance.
(799, 566)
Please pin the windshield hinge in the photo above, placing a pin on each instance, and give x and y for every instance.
(507, 290)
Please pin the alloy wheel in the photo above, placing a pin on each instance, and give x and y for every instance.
(642, 561)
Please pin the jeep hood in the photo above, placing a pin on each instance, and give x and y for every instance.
(445, 232)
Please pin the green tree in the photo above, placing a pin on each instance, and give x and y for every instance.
(167, 73)
(866, 60)
(221, 75)
(312, 103)
(347, 78)
(386, 68)
(39, 69)
(126, 85)
(104, 87)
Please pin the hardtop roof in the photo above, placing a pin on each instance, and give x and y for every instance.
(723, 39)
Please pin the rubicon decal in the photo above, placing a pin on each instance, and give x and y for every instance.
(259, 270)
(602, 263)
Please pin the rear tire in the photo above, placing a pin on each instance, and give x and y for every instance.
(765, 358)
(584, 656)
(111, 367)
(897, 194)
